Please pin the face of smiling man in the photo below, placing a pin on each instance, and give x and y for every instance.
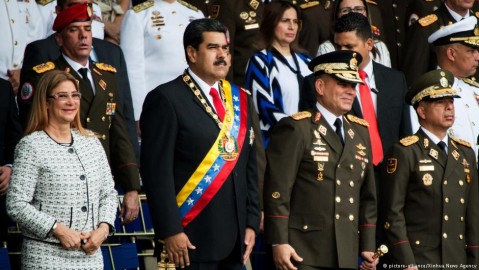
(212, 60)
(335, 95)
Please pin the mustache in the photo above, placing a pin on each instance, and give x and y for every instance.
(219, 62)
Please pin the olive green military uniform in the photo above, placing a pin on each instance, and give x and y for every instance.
(100, 113)
(430, 203)
(393, 13)
(319, 194)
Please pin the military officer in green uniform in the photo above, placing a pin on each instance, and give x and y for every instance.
(418, 56)
(429, 186)
(319, 187)
(99, 108)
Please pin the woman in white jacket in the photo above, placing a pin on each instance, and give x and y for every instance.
(61, 192)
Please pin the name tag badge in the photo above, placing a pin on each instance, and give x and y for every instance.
(426, 168)
(321, 158)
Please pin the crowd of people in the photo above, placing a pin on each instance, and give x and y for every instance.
(323, 128)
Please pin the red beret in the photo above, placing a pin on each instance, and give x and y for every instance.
(74, 13)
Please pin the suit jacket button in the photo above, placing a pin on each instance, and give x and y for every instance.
(351, 217)
(305, 227)
(88, 120)
(70, 150)
(337, 216)
(103, 137)
(82, 177)
(83, 209)
(444, 235)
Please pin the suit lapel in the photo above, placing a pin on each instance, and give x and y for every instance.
(198, 102)
(349, 135)
(382, 96)
(431, 149)
(101, 95)
(453, 159)
(356, 110)
(328, 134)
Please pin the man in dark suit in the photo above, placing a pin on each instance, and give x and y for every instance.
(381, 102)
(430, 202)
(10, 134)
(418, 55)
(47, 49)
(100, 110)
(322, 154)
(198, 159)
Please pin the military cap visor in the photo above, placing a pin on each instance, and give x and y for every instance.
(74, 13)
(430, 86)
(342, 65)
(464, 32)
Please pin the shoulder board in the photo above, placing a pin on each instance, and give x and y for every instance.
(371, 2)
(376, 31)
(188, 5)
(477, 14)
(42, 68)
(309, 4)
(246, 91)
(143, 6)
(462, 142)
(410, 140)
(106, 67)
(428, 20)
(301, 115)
(471, 81)
(44, 2)
(357, 120)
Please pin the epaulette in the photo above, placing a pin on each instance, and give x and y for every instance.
(143, 6)
(371, 2)
(106, 67)
(44, 67)
(309, 4)
(301, 115)
(44, 2)
(246, 91)
(471, 81)
(428, 20)
(477, 14)
(410, 140)
(188, 5)
(462, 142)
(376, 31)
(357, 120)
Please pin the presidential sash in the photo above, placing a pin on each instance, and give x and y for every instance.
(220, 160)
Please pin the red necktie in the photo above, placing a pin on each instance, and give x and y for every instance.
(220, 110)
(369, 115)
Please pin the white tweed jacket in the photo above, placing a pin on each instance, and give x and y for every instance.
(69, 184)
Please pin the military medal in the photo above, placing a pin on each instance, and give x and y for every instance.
(110, 108)
(228, 148)
(351, 133)
(427, 179)
(434, 153)
(102, 84)
(251, 136)
(392, 165)
(455, 154)
(320, 172)
(322, 130)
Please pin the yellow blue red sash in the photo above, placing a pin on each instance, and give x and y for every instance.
(214, 170)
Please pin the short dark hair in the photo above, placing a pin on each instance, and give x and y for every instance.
(272, 14)
(354, 22)
(193, 35)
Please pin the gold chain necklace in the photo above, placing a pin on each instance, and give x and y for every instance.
(209, 110)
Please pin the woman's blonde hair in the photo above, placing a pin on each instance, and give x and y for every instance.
(39, 113)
